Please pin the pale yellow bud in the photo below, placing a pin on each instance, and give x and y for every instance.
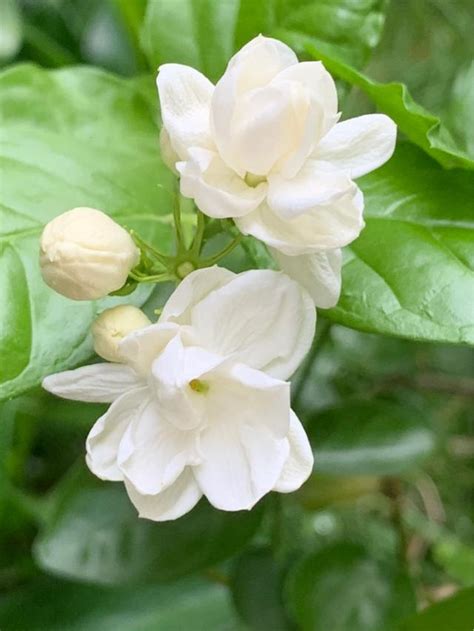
(112, 325)
(85, 255)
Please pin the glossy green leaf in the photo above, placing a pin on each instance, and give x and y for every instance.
(411, 271)
(73, 137)
(53, 605)
(97, 536)
(418, 124)
(369, 438)
(454, 614)
(351, 28)
(256, 588)
(342, 589)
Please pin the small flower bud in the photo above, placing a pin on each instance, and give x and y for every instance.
(112, 325)
(85, 255)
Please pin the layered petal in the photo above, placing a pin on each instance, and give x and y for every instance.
(153, 451)
(319, 273)
(103, 441)
(175, 501)
(299, 464)
(217, 190)
(326, 227)
(359, 145)
(142, 346)
(98, 383)
(253, 67)
(244, 445)
(185, 98)
(261, 318)
(192, 290)
(316, 184)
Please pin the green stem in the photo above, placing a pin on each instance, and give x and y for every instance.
(178, 227)
(162, 258)
(198, 237)
(319, 341)
(212, 260)
(155, 278)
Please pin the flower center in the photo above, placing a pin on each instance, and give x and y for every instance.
(199, 386)
(254, 180)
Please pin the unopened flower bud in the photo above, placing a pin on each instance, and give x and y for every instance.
(112, 325)
(85, 255)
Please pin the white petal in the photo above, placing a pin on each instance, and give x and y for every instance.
(254, 66)
(242, 448)
(153, 452)
(299, 464)
(142, 346)
(261, 318)
(318, 273)
(175, 501)
(326, 227)
(104, 438)
(359, 145)
(312, 81)
(314, 185)
(185, 98)
(217, 190)
(192, 290)
(98, 383)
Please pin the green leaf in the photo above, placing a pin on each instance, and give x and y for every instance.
(460, 111)
(410, 273)
(96, 536)
(257, 591)
(456, 558)
(453, 614)
(349, 28)
(73, 137)
(420, 126)
(342, 589)
(390, 439)
(53, 605)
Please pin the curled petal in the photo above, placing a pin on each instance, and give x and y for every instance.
(98, 383)
(316, 184)
(319, 273)
(261, 318)
(217, 190)
(185, 98)
(175, 501)
(326, 227)
(244, 445)
(359, 145)
(299, 464)
(192, 290)
(153, 451)
(103, 441)
(254, 66)
(142, 346)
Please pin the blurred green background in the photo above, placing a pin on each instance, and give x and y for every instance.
(389, 516)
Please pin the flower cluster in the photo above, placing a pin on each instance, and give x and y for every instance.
(200, 399)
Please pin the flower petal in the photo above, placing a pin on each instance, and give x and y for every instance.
(142, 346)
(176, 500)
(359, 145)
(153, 452)
(185, 98)
(98, 383)
(314, 185)
(326, 227)
(242, 447)
(103, 441)
(217, 190)
(319, 273)
(191, 290)
(299, 465)
(261, 318)
(254, 66)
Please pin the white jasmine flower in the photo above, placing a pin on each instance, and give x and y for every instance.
(112, 325)
(264, 146)
(201, 405)
(85, 255)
